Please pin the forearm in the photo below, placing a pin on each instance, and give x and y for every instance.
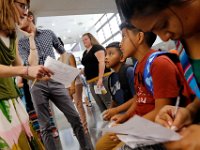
(131, 111)
(125, 106)
(151, 115)
(101, 69)
(194, 107)
(10, 71)
(33, 56)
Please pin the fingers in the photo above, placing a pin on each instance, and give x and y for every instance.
(164, 119)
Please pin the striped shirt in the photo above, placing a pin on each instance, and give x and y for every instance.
(45, 41)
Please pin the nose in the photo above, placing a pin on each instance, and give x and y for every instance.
(165, 36)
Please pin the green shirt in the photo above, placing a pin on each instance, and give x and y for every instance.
(8, 88)
(196, 69)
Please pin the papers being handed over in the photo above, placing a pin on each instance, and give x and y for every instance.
(63, 73)
(138, 131)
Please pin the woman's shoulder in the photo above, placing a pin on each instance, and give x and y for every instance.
(98, 47)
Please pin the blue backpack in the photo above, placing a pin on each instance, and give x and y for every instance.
(147, 74)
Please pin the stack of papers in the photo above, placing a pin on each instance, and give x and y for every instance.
(63, 73)
(138, 131)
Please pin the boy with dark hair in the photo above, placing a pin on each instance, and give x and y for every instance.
(166, 78)
(120, 82)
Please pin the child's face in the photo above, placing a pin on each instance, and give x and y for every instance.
(128, 43)
(113, 57)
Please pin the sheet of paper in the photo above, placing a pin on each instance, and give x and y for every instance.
(100, 90)
(63, 73)
(139, 128)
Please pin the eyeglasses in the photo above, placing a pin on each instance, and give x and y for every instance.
(22, 5)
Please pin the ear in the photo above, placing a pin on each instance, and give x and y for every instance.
(140, 37)
(122, 59)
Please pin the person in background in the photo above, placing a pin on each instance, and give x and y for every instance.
(76, 89)
(34, 49)
(15, 132)
(95, 72)
(176, 20)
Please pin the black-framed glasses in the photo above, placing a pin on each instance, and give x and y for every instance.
(22, 5)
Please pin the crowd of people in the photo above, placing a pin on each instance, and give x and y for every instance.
(149, 87)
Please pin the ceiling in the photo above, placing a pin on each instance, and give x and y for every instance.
(69, 19)
(69, 28)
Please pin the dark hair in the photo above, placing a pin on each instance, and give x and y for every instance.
(30, 13)
(115, 45)
(149, 37)
(130, 8)
(61, 41)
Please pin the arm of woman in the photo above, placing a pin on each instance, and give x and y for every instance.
(100, 55)
(72, 62)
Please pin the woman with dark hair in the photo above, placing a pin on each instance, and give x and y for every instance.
(95, 71)
(176, 20)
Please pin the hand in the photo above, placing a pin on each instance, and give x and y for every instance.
(71, 90)
(120, 118)
(107, 114)
(39, 72)
(165, 117)
(189, 141)
(113, 137)
(100, 83)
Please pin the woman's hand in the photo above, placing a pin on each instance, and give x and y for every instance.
(190, 140)
(166, 114)
(100, 83)
(71, 90)
(38, 72)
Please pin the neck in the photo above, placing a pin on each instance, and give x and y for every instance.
(192, 46)
(3, 34)
(88, 48)
(117, 67)
(141, 51)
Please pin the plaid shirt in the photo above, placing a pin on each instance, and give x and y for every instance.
(45, 40)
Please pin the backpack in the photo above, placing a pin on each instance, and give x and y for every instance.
(120, 81)
(147, 74)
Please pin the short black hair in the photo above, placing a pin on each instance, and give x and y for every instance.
(130, 8)
(149, 37)
(115, 45)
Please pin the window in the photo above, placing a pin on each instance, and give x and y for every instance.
(118, 37)
(114, 25)
(101, 36)
(107, 31)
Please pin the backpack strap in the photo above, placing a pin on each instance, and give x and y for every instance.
(147, 74)
(124, 82)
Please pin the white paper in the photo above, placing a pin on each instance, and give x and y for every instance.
(137, 131)
(63, 73)
(99, 90)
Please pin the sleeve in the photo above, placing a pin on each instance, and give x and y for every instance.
(56, 44)
(98, 48)
(130, 76)
(23, 52)
(165, 78)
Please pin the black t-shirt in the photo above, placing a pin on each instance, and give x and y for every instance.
(91, 63)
